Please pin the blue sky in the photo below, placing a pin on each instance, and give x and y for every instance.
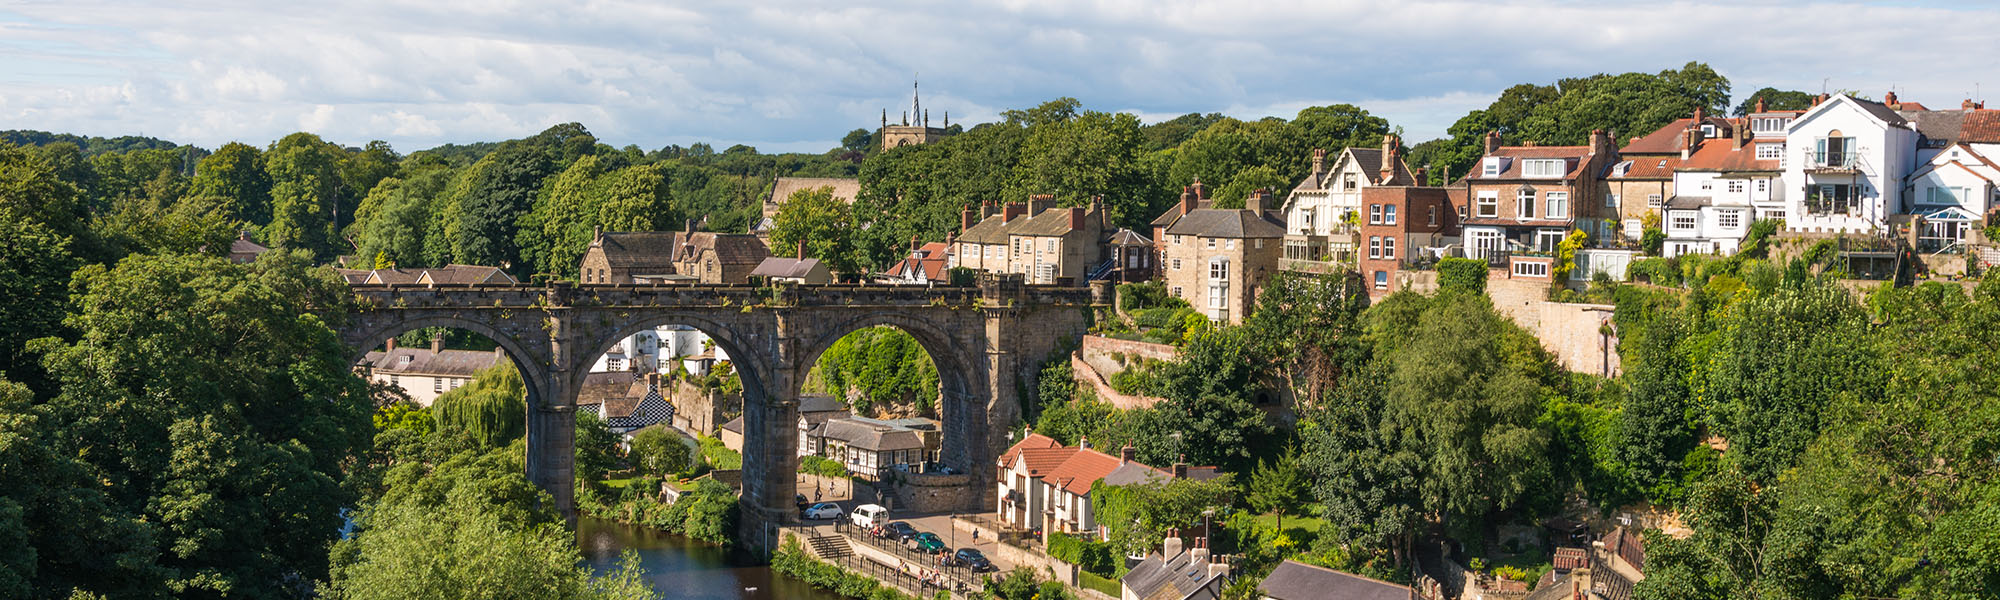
(795, 76)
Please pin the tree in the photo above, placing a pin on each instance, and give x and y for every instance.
(1310, 326)
(1340, 126)
(1774, 99)
(32, 190)
(1277, 486)
(305, 194)
(596, 447)
(659, 451)
(63, 532)
(1655, 431)
(395, 218)
(232, 445)
(1140, 514)
(823, 223)
(1090, 155)
(1208, 393)
(1231, 150)
(1782, 361)
(35, 266)
(492, 410)
(236, 172)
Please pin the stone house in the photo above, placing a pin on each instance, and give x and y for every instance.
(1526, 199)
(242, 250)
(1400, 224)
(1042, 242)
(672, 257)
(1321, 212)
(815, 410)
(1183, 571)
(808, 271)
(871, 447)
(1218, 259)
(448, 274)
(426, 373)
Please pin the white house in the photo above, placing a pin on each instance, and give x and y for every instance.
(1844, 165)
(1729, 176)
(1953, 192)
(1323, 210)
(1044, 485)
(654, 350)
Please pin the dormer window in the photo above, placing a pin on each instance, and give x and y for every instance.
(1707, 130)
(1491, 168)
(1542, 168)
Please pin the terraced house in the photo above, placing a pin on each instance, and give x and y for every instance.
(1218, 259)
(1039, 240)
(1526, 199)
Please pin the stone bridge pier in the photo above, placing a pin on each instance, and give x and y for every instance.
(987, 342)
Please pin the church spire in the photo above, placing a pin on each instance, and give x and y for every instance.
(916, 101)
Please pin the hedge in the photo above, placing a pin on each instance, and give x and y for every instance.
(1463, 274)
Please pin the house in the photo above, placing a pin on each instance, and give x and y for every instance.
(870, 447)
(1402, 223)
(448, 274)
(1617, 563)
(844, 189)
(1042, 242)
(1642, 179)
(1322, 211)
(1954, 193)
(1293, 580)
(242, 250)
(1729, 175)
(671, 257)
(808, 271)
(815, 410)
(1218, 259)
(426, 373)
(1526, 199)
(1177, 573)
(1044, 485)
(626, 402)
(1844, 165)
(1131, 257)
(925, 264)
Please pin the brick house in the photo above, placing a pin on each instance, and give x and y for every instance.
(1322, 210)
(1218, 259)
(1526, 199)
(1398, 223)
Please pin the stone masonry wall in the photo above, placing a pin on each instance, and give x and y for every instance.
(1568, 330)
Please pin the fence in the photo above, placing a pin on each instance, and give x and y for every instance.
(927, 571)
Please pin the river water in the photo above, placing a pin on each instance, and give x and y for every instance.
(683, 569)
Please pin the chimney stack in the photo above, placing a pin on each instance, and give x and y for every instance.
(1199, 555)
(1012, 210)
(1200, 193)
(1819, 99)
(1889, 99)
(1760, 104)
(914, 244)
(1171, 546)
(1421, 172)
(802, 249)
(1125, 454)
(1219, 568)
(1180, 468)
(1388, 158)
(437, 343)
(1319, 160)
(1255, 203)
(1187, 200)
(1083, 442)
(988, 208)
(391, 344)
(1600, 141)
(1040, 202)
(1699, 117)
(1076, 217)
(1492, 142)
(690, 227)
(965, 219)
(597, 233)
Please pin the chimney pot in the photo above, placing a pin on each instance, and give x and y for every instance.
(437, 344)
(802, 249)
(1076, 217)
(1127, 453)
(1760, 104)
(1889, 98)
(1319, 159)
(1200, 193)
(391, 344)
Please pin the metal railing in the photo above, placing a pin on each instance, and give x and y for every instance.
(939, 570)
(1825, 159)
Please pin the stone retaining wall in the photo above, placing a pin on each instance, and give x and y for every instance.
(935, 493)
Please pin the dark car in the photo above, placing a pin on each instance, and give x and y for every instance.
(899, 531)
(972, 559)
(927, 543)
(801, 499)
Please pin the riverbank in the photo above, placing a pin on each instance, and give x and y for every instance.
(680, 568)
(706, 513)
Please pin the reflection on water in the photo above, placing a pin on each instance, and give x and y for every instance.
(681, 568)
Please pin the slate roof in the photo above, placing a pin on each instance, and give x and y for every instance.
(1052, 222)
(735, 425)
(353, 276)
(1293, 580)
(1174, 212)
(464, 274)
(868, 434)
(421, 361)
(728, 248)
(1227, 223)
(1133, 472)
(1879, 110)
(1127, 237)
(785, 267)
(1680, 202)
(651, 251)
(845, 189)
(1366, 160)
(991, 230)
(817, 404)
(1574, 154)
(1938, 126)
(1176, 577)
(244, 248)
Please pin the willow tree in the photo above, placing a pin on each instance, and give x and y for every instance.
(492, 410)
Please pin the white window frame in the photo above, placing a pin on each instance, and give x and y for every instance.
(1374, 246)
(1388, 247)
(1654, 200)
(1491, 167)
(1381, 280)
(1531, 269)
(1770, 151)
(1611, 200)
(1524, 204)
(1388, 214)
(1374, 214)
(1675, 221)
(1558, 205)
(1543, 168)
(1487, 204)
(1728, 219)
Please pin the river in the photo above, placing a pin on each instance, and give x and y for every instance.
(683, 569)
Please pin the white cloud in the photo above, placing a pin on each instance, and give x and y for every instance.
(797, 75)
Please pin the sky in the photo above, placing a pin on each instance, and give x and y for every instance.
(796, 76)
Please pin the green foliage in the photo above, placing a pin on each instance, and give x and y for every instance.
(1657, 271)
(405, 414)
(1133, 297)
(492, 410)
(823, 223)
(1024, 583)
(1462, 274)
(1096, 557)
(1566, 255)
(1308, 325)
(824, 467)
(35, 264)
(596, 448)
(1806, 334)
(719, 456)
(661, 451)
(1277, 486)
(1652, 240)
(1139, 515)
(305, 194)
(793, 561)
(1774, 100)
(885, 365)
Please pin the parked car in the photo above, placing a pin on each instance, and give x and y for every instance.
(823, 510)
(868, 515)
(972, 559)
(800, 499)
(926, 542)
(899, 531)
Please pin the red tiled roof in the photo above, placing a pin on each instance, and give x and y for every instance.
(1081, 469)
(1981, 126)
(932, 261)
(1723, 155)
(1651, 167)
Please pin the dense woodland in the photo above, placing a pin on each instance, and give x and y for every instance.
(175, 425)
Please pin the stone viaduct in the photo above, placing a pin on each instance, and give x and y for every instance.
(987, 341)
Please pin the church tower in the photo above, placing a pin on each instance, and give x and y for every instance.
(909, 132)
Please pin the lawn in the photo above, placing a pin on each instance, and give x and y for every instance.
(1291, 522)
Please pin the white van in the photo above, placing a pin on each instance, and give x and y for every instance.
(867, 516)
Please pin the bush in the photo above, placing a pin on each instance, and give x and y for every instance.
(1462, 274)
(718, 455)
(492, 410)
(1094, 557)
(1657, 271)
(824, 467)
(660, 451)
(1091, 581)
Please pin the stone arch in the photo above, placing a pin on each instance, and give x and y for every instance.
(947, 353)
(532, 365)
(751, 365)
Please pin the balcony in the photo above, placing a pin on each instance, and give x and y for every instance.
(1832, 161)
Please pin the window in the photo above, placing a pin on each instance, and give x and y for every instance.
(1389, 247)
(1684, 220)
(1045, 273)
(1735, 186)
(1729, 219)
(1177, 264)
(1558, 205)
(1177, 240)
(1374, 246)
(1763, 185)
(1546, 240)
(1834, 151)
(1769, 124)
(1488, 204)
(1531, 269)
(1707, 130)
(1052, 245)
(1381, 280)
(1229, 244)
(1218, 269)
(1389, 214)
(1777, 215)
(1542, 168)
(1211, 243)
(437, 385)
(1707, 184)
(1177, 292)
(1260, 244)
(1374, 214)
(1611, 201)
(1945, 195)
(1218, 295)
(1434, 215)
(1349, 182)
(1524, 204)
(1491, 168)
(1653, 200)
(1305, 220)
(1770, 151)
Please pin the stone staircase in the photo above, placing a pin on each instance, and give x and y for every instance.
(829, 547)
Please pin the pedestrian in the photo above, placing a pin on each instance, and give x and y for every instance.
(815, 493)
(975, 536)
